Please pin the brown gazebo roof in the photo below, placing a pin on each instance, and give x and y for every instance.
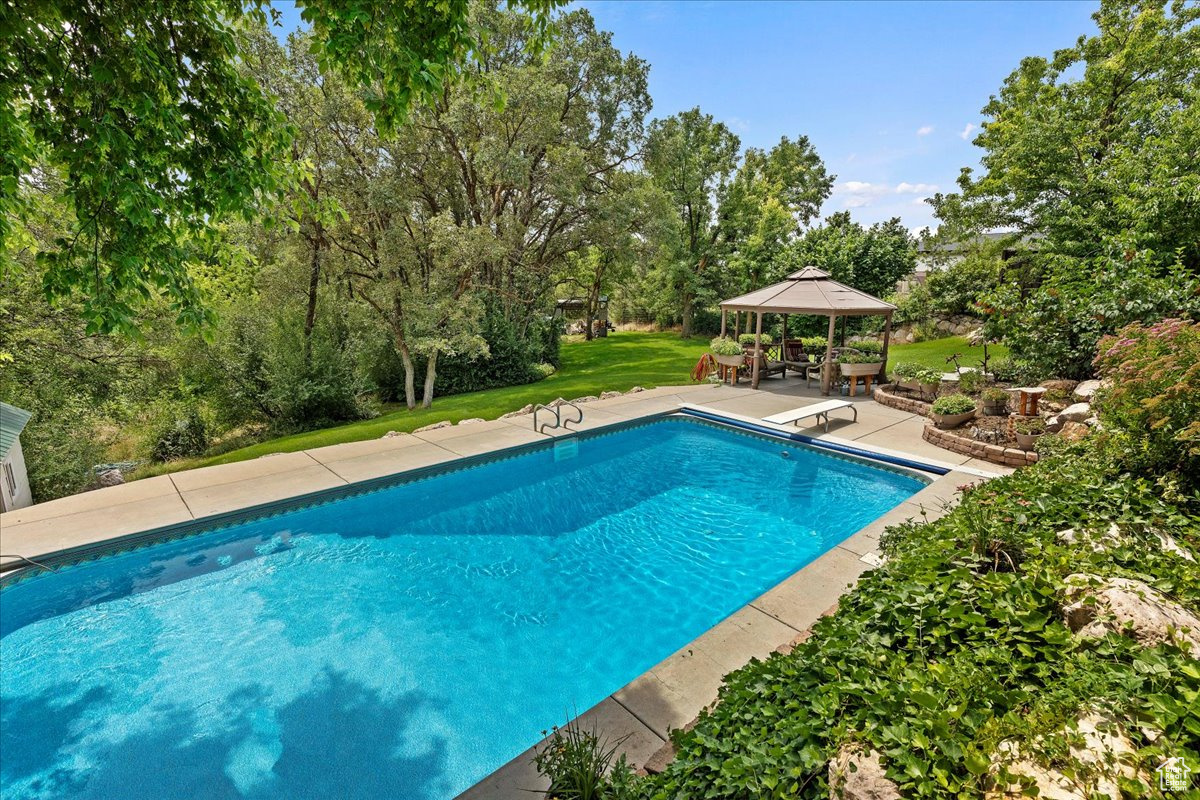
(809, 291)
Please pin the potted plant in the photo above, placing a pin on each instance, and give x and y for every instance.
(859, 364)
(727, 351)
(952, 410)
(995, 401)
(905, 375)
(1027, 430)
(928, 381)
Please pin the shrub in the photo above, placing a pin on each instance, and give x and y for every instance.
(814, 344)
(60, 448)
(927, 330)
(913, 306)
(1017, 371)
(180, 436)
(953, 404)
(872, 346)
(582, 766)
(748, 339)
(1029, 426)
(724, 346)
(994, 395)
(1153, 394)
(927, 376)
(971, 382)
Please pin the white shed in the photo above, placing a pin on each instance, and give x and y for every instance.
(14, 483)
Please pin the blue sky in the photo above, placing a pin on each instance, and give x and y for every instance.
(885, 90)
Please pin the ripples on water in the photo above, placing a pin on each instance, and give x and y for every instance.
(407, 642)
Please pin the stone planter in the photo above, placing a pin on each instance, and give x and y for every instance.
(995, 409)
(860, 370)
(730, 361)
(947, 421)
(1026, 441)
(908, 383)
(929, 389)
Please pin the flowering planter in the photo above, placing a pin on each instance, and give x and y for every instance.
(859, 370)
(946, 421)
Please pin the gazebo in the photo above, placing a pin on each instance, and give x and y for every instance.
(808, 291)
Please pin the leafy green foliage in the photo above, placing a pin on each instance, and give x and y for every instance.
(971, 382)
(914, 305)
(180, 436)
(1152, 394)
(871, 259)
(1090, 155)
(953, 404)
(582, 765)
(156, 135)
(858, 358)
(956, 644)
(409, 58)
(906, 369)
(724, 346)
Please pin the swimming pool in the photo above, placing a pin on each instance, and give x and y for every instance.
(407, 641)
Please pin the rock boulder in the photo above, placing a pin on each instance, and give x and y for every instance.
(443, 424)
(1097, 744)
(1099, 606)
(1086, 390)
(1077, 412)
(858, 775)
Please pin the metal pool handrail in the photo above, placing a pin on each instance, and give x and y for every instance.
(30, 561)
(559, 422)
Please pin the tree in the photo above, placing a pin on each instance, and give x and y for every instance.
(871, 259)
(691, 157)
(470, 203)
(734, 218)
(159, 138)
(1092, 159)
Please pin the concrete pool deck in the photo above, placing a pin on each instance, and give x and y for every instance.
(642, 713)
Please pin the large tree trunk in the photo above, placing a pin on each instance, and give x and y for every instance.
(430, 374)
(410, 382)
(689, 312)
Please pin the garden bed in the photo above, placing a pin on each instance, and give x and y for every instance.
(961, 441)
(889, 394)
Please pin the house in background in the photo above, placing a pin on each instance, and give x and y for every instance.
(14, 483)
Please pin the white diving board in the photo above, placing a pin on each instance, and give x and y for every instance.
(817, 410)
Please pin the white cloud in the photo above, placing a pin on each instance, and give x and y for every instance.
(924, 130)
(915, 188)
(966, 132)
(861, 194)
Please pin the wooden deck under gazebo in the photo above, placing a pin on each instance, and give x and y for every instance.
(809, 291)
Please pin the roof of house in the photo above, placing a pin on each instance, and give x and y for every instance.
(809, 291)
(12, 422)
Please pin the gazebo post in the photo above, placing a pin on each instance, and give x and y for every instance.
(724, 314)
(887, 337)
(757, 352)
(827, 372)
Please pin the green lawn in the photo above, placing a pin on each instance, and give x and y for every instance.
(934, 352)
(618, 362)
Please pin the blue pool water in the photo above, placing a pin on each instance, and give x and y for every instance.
(405, 643)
